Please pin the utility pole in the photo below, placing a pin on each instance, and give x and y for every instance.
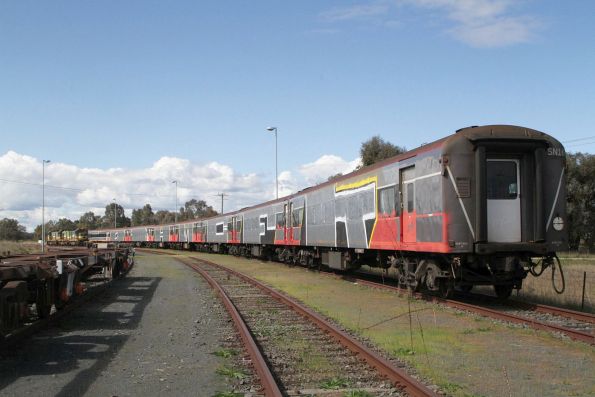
(222, 195)
(176, 209)
(115, 216)
(271, 129)
(43, 163)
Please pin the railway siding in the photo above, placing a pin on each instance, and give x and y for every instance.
(305, 358)
(461, 352)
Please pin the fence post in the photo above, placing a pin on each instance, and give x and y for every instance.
(584, 282)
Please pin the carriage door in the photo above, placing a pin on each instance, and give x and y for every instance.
(407, 186)
(231, 236)
(281, 226)
(289, 217)
(504, 202)
(287, 226)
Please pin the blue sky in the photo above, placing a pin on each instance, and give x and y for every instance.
(110, 85)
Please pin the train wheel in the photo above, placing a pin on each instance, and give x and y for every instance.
(466, 288)
(503, 291)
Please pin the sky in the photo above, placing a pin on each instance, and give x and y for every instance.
(126, 96)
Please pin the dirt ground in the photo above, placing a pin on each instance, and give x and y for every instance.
(465, 354)
(151, 334)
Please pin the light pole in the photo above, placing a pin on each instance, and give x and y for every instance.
(176, 208)
(115, 215)
(43, 163)
(276, 167)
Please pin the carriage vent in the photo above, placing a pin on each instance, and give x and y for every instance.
(464, 187)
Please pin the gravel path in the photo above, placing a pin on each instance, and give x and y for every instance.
(149, 334)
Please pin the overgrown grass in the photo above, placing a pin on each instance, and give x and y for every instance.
(357, 393)
(334, 384)
(228, 394)
(231, 372)
(19, 247)
(540, 289)
(225, 353)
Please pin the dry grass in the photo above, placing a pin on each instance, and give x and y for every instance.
(575, 268)
(19, 247)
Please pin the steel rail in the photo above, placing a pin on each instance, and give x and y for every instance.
(572, 333)
(558, 311)
(396, 375)
(269, 385)
(536, 307)
(535, 324)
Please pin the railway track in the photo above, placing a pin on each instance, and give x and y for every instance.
(572, 324)
(294, 350)
(575, 325)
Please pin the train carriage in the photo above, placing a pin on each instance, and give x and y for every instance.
(472, 208)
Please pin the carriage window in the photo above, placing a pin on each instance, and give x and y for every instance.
(410, 197)
(238, 226)
(219, 228)
(386, 201)
(297, 216)
(502, 180)
(280, 217)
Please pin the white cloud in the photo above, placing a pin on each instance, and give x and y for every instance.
(357, 11)
(479, 23)
(71, 191)
(327, 165)
(484, 23)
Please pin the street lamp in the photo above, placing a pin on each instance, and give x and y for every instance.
(271, 129)
(176, 208)
(43, 163)
(115, 215)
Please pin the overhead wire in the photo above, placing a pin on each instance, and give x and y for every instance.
(76, 189)
(579, 139)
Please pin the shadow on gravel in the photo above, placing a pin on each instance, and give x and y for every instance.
(73, 344)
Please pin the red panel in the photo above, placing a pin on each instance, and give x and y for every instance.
(233, 237)
(386, 234)
(409, 227)
(198, 237)
(287, 237)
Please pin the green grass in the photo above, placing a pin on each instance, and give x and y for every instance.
(334, 384)
(225, 353)
(230, 372)
(357, 393)
(470, 331)
(228, 394)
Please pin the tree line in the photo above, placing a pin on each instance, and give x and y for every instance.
(114, 215)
